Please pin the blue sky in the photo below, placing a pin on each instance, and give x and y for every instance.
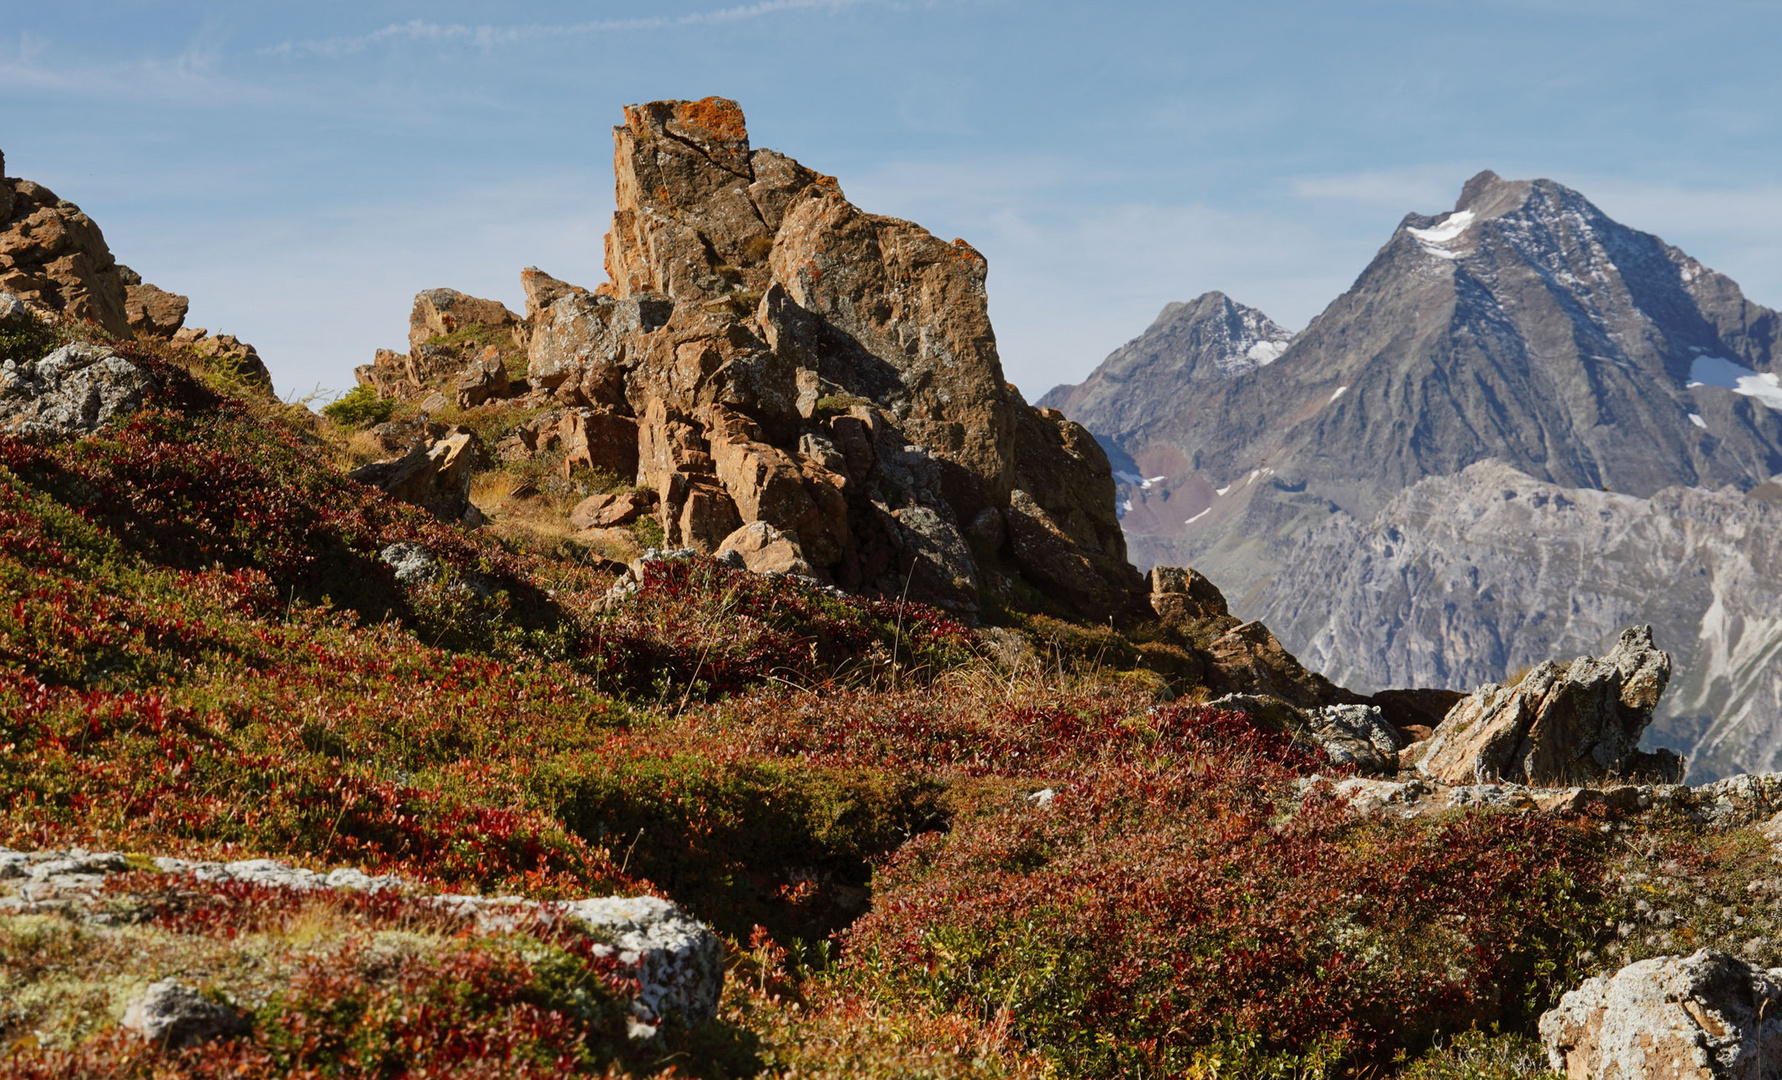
(301, 170)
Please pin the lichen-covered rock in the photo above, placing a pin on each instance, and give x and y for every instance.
(75, 390)
(173, 1014)
(1561, 724)
(678, 962)
(413, 563)
(1357, 735)
(13, 312)
(1670, 1018)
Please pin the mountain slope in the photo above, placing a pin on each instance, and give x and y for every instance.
(1461, 579)
(1524, 327)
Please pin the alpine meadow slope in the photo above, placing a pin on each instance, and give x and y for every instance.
(1632, 389)
(721, 672)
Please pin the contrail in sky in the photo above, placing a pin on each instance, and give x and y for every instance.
(488, 37)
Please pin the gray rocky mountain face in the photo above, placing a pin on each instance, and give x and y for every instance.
(1462, 579)
(1636, 389)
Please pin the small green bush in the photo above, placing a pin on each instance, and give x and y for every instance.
(359, 408)
(28, 342)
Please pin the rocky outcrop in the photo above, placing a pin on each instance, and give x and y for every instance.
(1707, 1016)
(434, 477)
(777, 356)
(75, 390)
(1182, 593)
(458, 345)
(53, 257)
(153, 312)
(1561, 724)
(1239, 658)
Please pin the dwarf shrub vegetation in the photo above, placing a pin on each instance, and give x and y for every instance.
(201, 654)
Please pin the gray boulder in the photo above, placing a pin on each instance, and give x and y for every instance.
(1668, 1018)
(413, 563)
(75, 390)
(175, 1015)
(677, 961)
(1562, 724)
(13, 312)
(1357, 735)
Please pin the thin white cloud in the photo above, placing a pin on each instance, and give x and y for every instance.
(487, 36)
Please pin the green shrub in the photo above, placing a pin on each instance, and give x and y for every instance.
(31, 341)
(359, 408)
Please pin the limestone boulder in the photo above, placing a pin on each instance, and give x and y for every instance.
(154, 312)
(676, 959)
(13, 312)
(1357, 735)
(762, 549)
(1707, 1016)
(1562, 724)
(434, 477)
(75, 390)
(607, 510)
(173, 1014)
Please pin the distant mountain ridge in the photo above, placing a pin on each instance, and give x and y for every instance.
(1524, 327)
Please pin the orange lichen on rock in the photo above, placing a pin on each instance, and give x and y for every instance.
(716, 117)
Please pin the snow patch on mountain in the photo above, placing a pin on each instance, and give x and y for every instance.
(1436, 238)
(1718, 371)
